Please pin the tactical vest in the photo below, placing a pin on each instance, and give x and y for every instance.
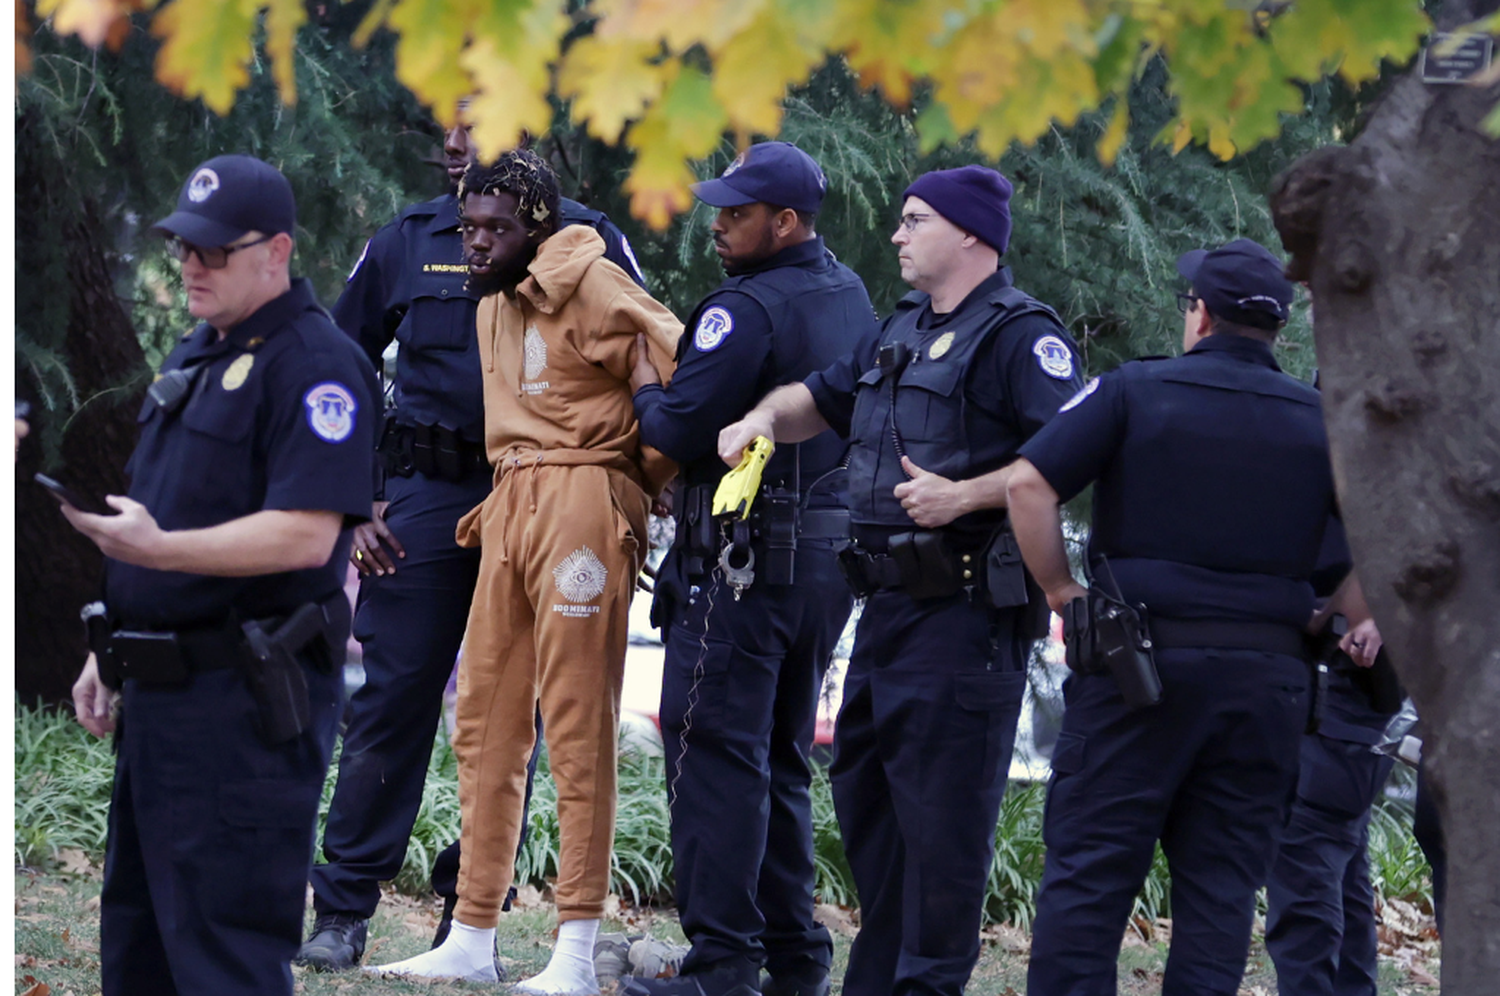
(932, 418)
(817, 315)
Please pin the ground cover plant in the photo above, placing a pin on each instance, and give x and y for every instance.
(63, 779)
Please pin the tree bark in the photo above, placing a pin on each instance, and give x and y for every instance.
(1399, 234)
(57, 569)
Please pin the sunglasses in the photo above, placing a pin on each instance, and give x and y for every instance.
(213, 257)
(1186, 301)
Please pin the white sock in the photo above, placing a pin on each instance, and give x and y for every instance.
(467, 953)
(571, 970)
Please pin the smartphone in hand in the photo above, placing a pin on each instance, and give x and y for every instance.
(66, 494)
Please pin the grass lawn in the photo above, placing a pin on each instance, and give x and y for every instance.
(57, 945)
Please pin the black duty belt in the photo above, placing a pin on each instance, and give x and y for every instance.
(823, 523)
(430, 450)
(1223, 634)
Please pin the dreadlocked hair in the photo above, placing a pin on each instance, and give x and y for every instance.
(525, 176)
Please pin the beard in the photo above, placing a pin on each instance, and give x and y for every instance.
(506, 278)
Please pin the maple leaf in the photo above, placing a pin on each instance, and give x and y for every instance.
(611, 82)
(680, 24)
(283, 19)
(432, 39)
(23, 32)
(91, 20)
(752, 72)
(1114, 136)
(1353, 34)
(510, 98)
(891, 43)
(206, 49)
(685, 124)
(1046, 27)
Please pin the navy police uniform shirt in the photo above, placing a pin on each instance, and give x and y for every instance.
(980, 380)
(409, 285)
(1214, 482)
(281, 416)
(736, 354)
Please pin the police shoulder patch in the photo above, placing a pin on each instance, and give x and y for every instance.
(330, 411)
(1077, 399)
(713, 328)
(1054, 357)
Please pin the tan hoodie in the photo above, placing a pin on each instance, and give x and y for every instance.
(557, 363)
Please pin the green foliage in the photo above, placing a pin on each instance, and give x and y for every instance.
(64, 777)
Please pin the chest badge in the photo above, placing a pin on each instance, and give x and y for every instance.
(238, 372)
(940, 348)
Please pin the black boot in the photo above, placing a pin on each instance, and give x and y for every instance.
(732, 977)
(336, 944)
(811, 981)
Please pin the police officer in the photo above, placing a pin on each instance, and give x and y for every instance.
(935, 408)
(410, 284)
(224, 588)
(1213, 492)
(1320, 916)
(743, 671)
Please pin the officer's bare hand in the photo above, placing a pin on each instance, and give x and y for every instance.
(642, 370)
(734, 438)
(93, 703)
(1362, 643)
(132, 537)
(930, 499)
(1065, 594)
(367, 553)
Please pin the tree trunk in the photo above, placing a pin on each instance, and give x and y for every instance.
(57, 569)
(1399, 234)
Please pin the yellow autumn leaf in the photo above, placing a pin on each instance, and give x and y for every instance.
(981, 68)
(432, 39)
(521, 30)
(610, 82)
(1114, 136)
(659, 183)
(206, 49)
(685, 124)
(680, 23)
(23, 32)
(890, 43)
(753, 71)
(90, 20)
(1057, 89)
(1219, 143)
(283, 19)
(509, 97)
(1046, 27)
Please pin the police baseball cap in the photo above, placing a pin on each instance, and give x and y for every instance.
(1240, 282)
(775, 173)
(228, 196)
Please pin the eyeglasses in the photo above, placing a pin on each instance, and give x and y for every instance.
(909, 222)
(1186, 301)
(213, 257)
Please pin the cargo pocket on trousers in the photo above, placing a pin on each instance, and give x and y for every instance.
(997, 695)
(264, 848)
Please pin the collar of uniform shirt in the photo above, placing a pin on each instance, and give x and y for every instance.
(1242, 347)
(998, 281)
(275, 314)
(803, 252)
(445, 219)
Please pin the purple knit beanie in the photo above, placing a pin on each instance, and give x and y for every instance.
(975, 198)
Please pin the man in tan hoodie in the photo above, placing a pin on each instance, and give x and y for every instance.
(562, 537)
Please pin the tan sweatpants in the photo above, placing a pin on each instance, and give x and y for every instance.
(547, 628)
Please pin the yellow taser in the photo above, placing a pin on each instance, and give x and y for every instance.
(738, 488)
